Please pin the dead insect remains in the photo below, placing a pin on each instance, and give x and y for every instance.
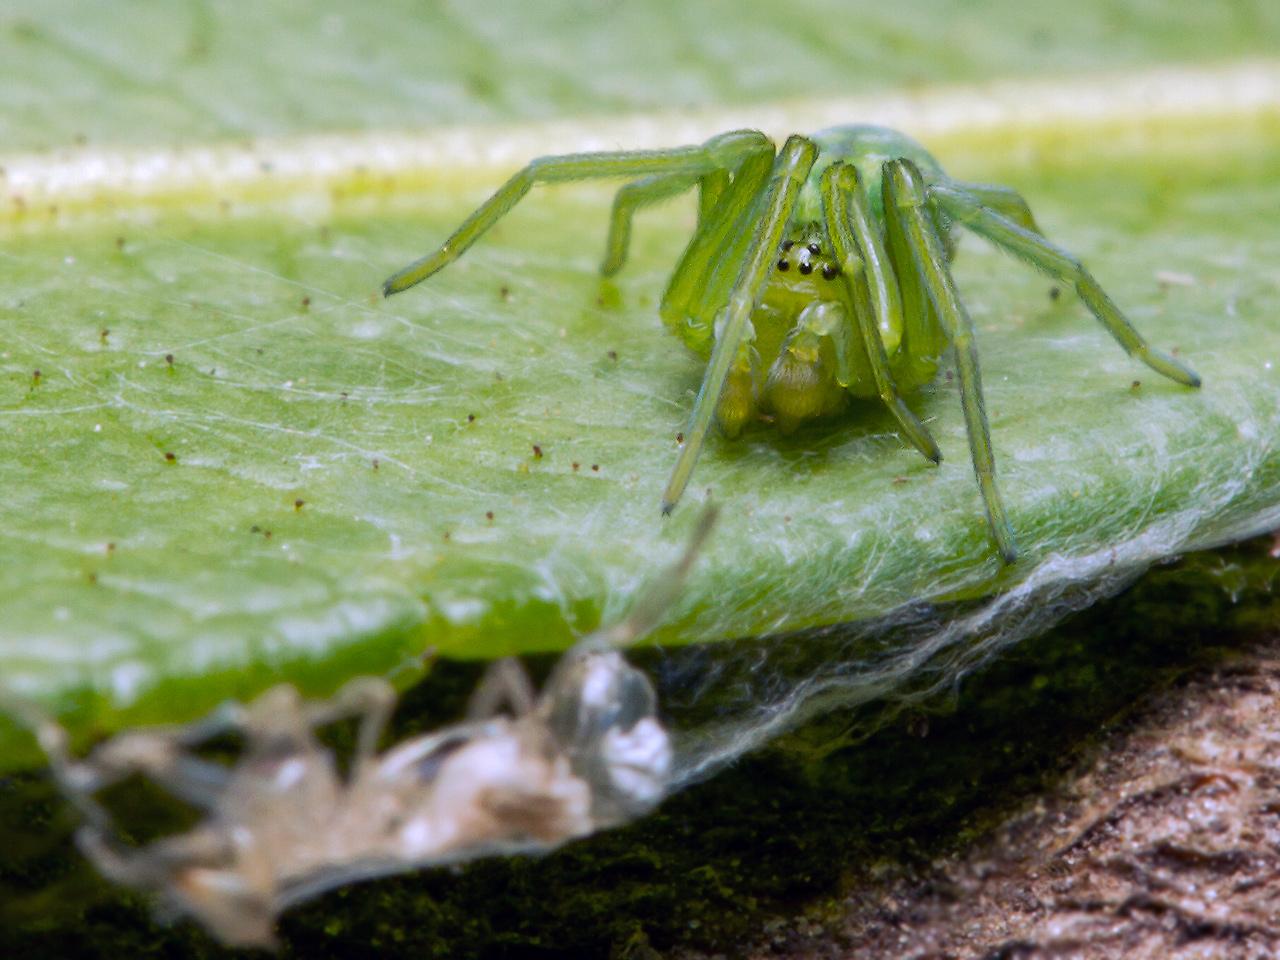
(526, 771)
(817, 272)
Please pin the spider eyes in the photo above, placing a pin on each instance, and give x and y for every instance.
(806, 262)
(829, 270)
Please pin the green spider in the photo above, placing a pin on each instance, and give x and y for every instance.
(816, 273)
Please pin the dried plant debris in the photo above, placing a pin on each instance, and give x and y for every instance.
(525, 772)
(1166, 846)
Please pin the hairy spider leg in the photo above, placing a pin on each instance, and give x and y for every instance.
(370, 700)
(651, 606)
(1004, 200)
(717, 153)
(790, 170)
(924, 339)
(640, 193)
(696, 291)
(1061, 265)
(504, 684)
(646, 192)
(877, 304)
(906, 204)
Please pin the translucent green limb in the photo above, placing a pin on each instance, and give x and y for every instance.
(1004, 200)
(629, 199)
(790, 169)
(1061, 265)
(905, 191)
(873, 288)
(724, 151)
(707, 247)
(710, 189)
(923, 338)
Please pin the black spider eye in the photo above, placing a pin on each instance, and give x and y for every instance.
(815, 249)
(787, 245)
(806, 268)
(829, 272)
(786, 265)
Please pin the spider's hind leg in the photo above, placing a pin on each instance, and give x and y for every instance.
(905, 204)
(969, 210)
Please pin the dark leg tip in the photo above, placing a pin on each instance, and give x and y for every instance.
(667, 507)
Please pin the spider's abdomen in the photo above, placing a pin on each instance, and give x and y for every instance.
(866, 148)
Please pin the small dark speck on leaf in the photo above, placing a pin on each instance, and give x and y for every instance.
(504, 292)
(168, 357)
(299, 504)
(899, 481)
(1054, 293)
(680, 437)
(488, 515)
(103, 334)
(111, 548)
(306, 303)
(537, 452)
(92, 578)
(471, 418)
(595, 467)
(267, 534)
(343, 395)
(255, 529)
(576, 465)
(35, 376)
(119, 243)
(448, 535)
(170, 456)
(1135, 386)
(375, 463)
(613, 355)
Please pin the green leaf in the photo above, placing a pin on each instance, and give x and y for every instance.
(304, 490)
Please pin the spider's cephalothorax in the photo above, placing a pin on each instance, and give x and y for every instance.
(817, 272)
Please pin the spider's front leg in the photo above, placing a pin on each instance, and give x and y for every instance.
(873, 290)
(678, 165)
(905, 200)
(790, 169)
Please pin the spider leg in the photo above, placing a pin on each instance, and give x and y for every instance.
(372, 700)
(906, 204)
(697, 289)
(630, 198)
(877, 306)
(1003, 200)
(719, 152)
(790, 169)
(504, 684)
(657, 596)
(161, 754)
(1058, 263)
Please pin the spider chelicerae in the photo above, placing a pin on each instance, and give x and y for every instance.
(817, 272)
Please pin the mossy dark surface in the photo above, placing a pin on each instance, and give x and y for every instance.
(783, 830)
